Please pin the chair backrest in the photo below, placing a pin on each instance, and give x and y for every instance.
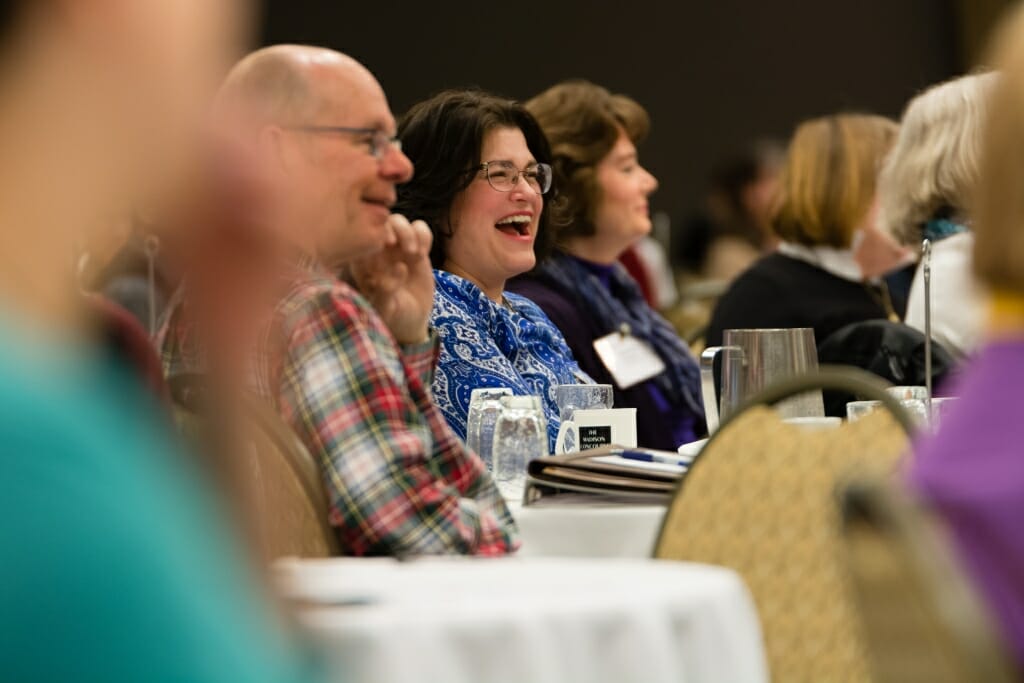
(282, 480)
(923, 622)
(293, 509)
(760, 499)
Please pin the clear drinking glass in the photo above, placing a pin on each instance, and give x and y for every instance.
(572, 397)
(484, 408)
(915, 400)
(855, 410)
(908, 393)
(520, 435)
(918, 409)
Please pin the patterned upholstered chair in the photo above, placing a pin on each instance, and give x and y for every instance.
(287, 501)
(760, 498)
(923, 622)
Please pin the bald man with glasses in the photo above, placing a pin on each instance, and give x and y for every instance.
(349, 369)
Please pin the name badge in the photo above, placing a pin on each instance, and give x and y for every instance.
(629, 360)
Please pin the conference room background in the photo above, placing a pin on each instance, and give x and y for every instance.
(714, 75)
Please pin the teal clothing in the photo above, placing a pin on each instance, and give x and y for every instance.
(115, 564)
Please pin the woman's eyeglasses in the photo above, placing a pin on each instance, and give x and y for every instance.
(503, 176)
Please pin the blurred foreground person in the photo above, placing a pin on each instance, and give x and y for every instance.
(924, 191)
(350, 371)
(117, 565)
(972, 471)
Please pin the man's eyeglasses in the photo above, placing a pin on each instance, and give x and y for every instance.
(503, 176)
(378, 141)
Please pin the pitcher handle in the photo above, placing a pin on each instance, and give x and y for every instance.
(707, 386)
(707, 382)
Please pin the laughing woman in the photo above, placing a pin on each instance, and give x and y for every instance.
(482, 173)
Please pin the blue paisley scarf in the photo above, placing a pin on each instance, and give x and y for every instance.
(484, 344)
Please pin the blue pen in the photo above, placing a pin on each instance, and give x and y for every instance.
(646, 456)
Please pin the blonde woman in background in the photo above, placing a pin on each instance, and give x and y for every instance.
(924, 193)
(826, 200)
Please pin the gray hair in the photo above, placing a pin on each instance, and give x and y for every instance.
(934, 163)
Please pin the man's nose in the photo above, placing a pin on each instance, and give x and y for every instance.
(395, 166)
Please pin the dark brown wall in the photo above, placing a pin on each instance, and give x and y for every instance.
(975, 19)
(714, 74)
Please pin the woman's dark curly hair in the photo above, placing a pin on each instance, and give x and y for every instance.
(443, 137)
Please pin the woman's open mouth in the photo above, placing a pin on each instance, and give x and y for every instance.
(517, 225)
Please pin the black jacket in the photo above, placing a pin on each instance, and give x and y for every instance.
(781, 292)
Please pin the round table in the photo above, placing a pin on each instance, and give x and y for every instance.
(567, 527)
(527, 620)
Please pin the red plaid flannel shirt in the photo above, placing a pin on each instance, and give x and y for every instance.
(400, 482)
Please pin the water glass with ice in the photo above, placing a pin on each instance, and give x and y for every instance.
(520, 435)
(572, 397)
(484, 408)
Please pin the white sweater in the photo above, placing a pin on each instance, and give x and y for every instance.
(958, 307)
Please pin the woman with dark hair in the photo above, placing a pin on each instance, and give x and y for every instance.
(482, 173)
(591, 298)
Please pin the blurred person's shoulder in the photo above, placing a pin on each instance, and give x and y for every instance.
(754, 298)
(45, 387)
(778, 275)
(78, 433)
(764, 277)
(75, 406)
(103, 518)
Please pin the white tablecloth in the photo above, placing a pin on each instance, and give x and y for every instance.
(587, 530)
(521, 620)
